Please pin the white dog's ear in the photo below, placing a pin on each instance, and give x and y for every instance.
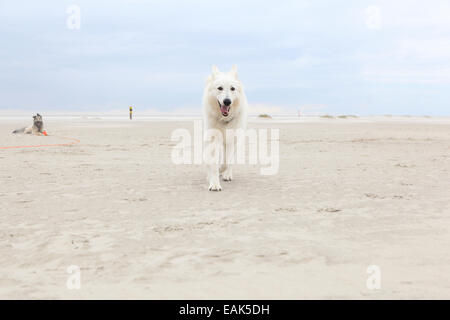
(215, 71)
(233, 71)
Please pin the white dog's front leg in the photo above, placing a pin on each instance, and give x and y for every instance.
(227, 173)
(214, 181)
(212, 157)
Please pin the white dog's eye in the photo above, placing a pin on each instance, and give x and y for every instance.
(232, 88)
(220, 88)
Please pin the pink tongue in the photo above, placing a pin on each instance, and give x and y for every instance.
(224, 109)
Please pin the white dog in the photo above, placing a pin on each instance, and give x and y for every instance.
(224, 108)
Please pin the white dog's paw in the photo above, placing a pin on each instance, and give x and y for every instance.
(215, 186)
(227, 175)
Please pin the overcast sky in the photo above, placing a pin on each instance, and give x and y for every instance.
(339, 57)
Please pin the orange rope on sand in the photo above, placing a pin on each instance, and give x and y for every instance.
(74, 141)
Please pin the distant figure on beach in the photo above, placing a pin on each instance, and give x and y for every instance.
(131, 113)
(37, 128)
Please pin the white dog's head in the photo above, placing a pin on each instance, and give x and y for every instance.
(224, 91)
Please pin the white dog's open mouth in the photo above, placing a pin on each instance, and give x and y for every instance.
(224, 109)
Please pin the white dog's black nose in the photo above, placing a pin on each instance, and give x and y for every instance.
(227, 102)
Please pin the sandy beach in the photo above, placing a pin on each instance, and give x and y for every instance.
(350, 193)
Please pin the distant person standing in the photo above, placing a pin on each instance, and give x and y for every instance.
(131, 113)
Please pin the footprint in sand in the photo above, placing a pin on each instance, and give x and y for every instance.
(373, 196)
(285, 210)
(331, 210)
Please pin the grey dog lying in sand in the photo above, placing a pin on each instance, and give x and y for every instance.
(37, 127)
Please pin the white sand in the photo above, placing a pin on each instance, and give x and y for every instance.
(349, 194)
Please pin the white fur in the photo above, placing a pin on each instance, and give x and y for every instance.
(214, 120)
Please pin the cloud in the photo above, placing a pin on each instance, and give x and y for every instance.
(156, 54)
(308, 61)
(425, 49)
(408, 75)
